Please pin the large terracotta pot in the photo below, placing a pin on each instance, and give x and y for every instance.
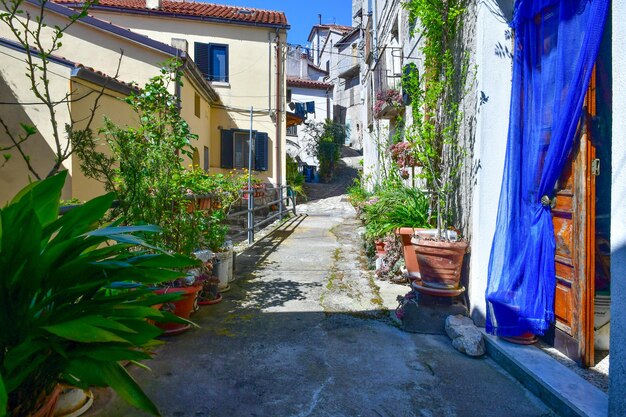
(182, 308)
(410, 260)
(440, 262)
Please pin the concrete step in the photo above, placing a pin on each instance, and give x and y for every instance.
(560, 388)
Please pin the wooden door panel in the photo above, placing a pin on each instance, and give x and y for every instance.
(567, 247)
(563, 308)
(564, 236)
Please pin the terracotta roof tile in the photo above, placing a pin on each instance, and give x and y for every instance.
(300, 82)
(196, 9)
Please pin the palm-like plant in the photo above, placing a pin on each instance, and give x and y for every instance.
(396, 207)
(63, 313)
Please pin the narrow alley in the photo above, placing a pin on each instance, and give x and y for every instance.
(307, 331)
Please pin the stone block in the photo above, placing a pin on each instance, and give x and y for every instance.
(466, 337)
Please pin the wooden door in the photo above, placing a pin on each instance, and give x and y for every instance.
(573, 217)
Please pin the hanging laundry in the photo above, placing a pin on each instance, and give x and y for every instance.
(300, 110)
(310, 107)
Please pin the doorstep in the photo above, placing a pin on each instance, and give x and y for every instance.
(560, 388)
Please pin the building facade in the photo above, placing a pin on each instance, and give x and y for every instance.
(93, 52)
(241, 52)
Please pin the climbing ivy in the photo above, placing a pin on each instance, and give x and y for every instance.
(435, 96)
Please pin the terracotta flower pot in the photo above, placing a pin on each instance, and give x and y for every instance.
(524, 339)
(380, 247)
(204, 203)
(410, 260)
(440, 262)
(182, 308)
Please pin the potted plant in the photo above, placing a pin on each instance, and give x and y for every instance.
(388, 104)
(398, 209)
(209, 294)
(187, 288)
(435, 137)
(75, 298)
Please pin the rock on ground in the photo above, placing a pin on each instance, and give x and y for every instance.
(466, 337)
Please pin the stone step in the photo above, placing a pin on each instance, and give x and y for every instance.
(559, 387)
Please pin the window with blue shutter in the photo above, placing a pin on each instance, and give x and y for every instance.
(201, 57)
(227, 149)
(261, 151)
(212, 59)
(218, 63)
(234, 152)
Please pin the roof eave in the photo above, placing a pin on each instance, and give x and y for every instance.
(161, 13)
(110, 28)
(193, 72)
(102, 80)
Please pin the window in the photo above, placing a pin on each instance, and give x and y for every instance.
(242, 142)
(212, 59)
(206, 158)
(292, 130)
(352, 82)
(196, 104)
(195, 160)
(235, 148)
(288, 96)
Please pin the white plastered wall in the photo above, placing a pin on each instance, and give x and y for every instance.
(617, 378)
(493, 76)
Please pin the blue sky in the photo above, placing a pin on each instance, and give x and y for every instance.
(302, 15)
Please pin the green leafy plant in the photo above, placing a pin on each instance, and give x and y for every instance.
(74, 299)
(393, 207)
(326, 141)
(357, 194)
(146, 164)
(435, 98)
(295, 179)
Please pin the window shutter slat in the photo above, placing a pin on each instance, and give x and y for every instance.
(201, 57)
(227, 149)
(261, 152)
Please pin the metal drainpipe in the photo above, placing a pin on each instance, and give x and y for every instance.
(269, 72)
(318, 41)
(375, 29)
(279, 114)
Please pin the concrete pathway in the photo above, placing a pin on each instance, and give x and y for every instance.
(306, 331)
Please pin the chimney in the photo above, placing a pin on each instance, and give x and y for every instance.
(180, 44)
(153, 4)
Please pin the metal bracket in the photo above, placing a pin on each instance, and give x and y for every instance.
(595, 167)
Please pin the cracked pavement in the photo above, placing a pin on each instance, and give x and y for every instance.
(306, 331)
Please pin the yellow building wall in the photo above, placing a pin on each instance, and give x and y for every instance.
(110, 105)
(252, 76)
(199, 125)
(101, 51)
(40, 148)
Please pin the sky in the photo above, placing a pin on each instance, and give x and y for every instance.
(301, 14)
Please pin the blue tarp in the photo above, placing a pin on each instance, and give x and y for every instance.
(556, 44)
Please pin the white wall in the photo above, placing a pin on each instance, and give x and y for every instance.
(617, 383)
(304, 95)
(494, 79)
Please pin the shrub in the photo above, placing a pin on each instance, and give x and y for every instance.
(63, 313)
